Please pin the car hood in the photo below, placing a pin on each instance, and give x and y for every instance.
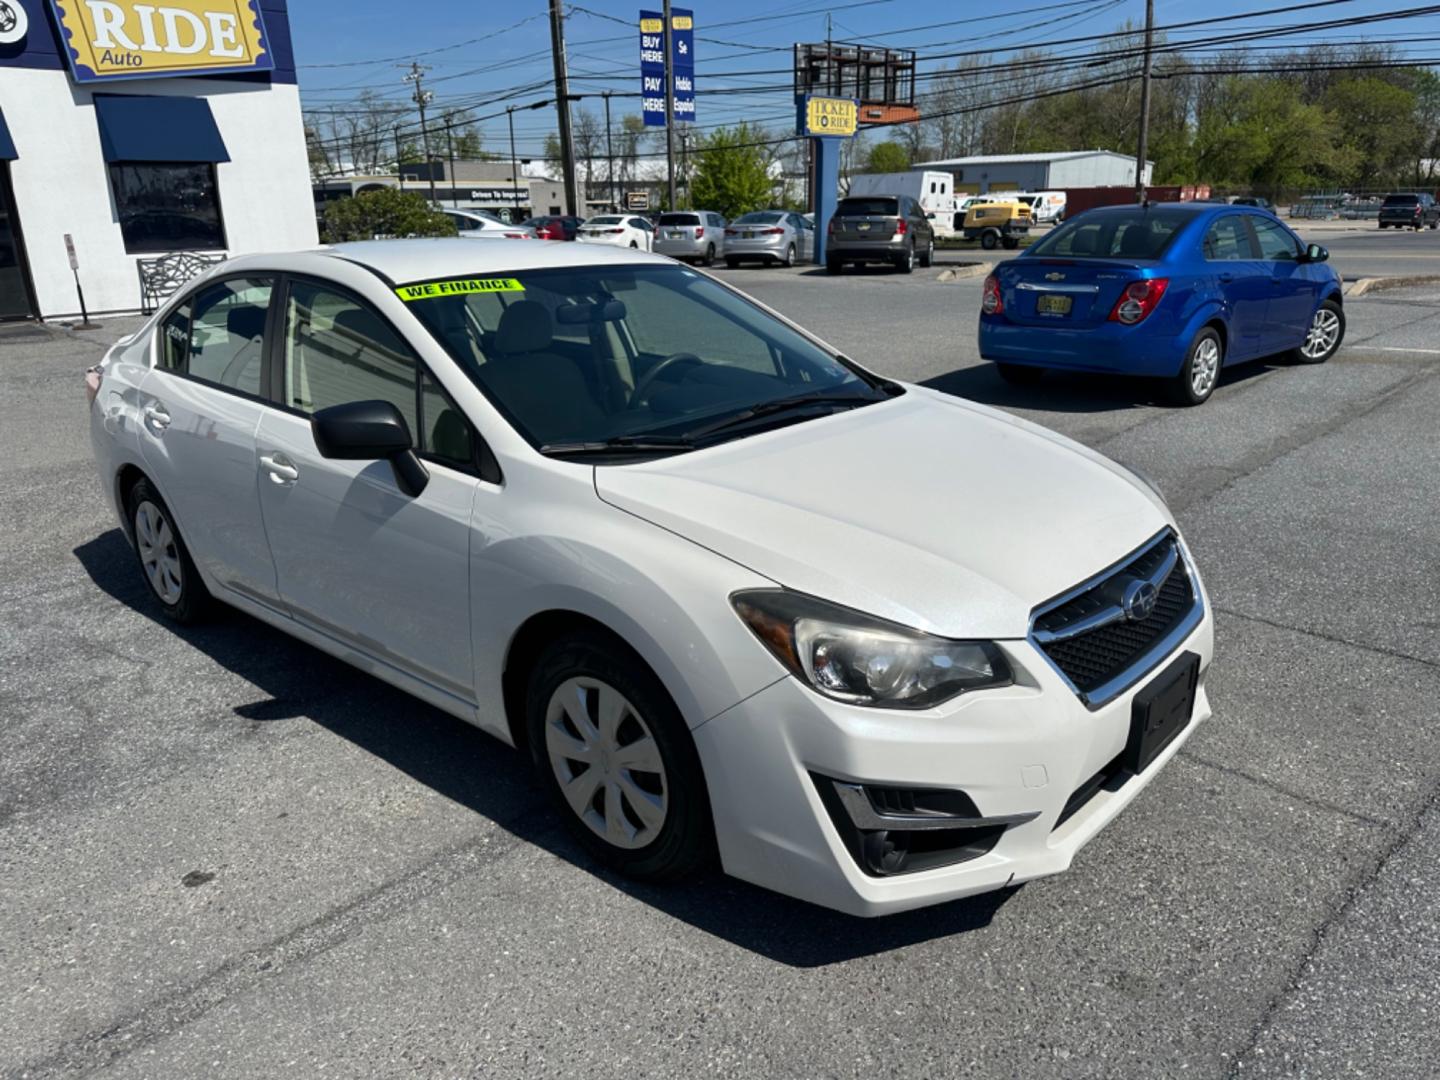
(926, 510)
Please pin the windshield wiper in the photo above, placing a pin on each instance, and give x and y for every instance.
(781, 405)
(621, 444)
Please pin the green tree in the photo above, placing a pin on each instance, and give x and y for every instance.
(384, 213)
(732, 174)
(1376, 121)
(888, 157)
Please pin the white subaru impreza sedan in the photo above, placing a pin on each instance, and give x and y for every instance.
(737, 596)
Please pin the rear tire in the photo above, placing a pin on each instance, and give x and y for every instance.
(1010, 243)
(709, 257)
(595, 710)
(634, 244)
(1200, 372)
(928, 259)
(906, 262)
(731, 263)
(1322, 340)
(1020, 374)
(789, 259)
(164, 559)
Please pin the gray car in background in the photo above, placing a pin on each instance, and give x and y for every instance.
(697, 235)
(770, 236)
(880, 229)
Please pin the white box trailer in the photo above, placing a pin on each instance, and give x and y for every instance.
(934, 191)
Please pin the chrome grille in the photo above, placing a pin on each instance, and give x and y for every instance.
(1101, 650)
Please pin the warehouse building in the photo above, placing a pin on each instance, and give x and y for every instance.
(132, 132)
(1040, 172)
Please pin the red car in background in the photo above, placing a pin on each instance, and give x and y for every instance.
(555, 228)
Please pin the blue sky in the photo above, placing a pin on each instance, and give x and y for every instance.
(490, 55)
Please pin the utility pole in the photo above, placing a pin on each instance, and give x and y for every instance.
(399, 172)
(514, 180)
(1143, 148)
(670, 104)
(562, 104)
(422, 98)
(450, 150)
(609, 152)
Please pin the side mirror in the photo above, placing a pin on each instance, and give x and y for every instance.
(370, 431)
(1316, 253)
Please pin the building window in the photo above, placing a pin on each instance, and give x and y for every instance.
(167, 207)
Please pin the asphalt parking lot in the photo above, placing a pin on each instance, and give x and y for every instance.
(226, 854)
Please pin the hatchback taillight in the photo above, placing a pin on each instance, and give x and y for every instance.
(991, 302)
(830, 228)
(901, 227)
(1138, 300)
(699, 232)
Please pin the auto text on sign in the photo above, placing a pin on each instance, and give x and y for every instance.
(112, 39)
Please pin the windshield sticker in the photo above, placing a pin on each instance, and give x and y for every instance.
(458, 287)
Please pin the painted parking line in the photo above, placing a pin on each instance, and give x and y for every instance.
(1391, 348)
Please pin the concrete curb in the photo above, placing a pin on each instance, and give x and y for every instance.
(1380, 284)
(963, 270)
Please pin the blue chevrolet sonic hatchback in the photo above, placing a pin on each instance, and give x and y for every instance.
(1172, 290)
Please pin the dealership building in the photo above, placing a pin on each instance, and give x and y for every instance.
(132, 132)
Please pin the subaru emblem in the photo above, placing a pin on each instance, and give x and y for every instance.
(1138, 600)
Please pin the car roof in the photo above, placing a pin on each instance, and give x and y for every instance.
(443, 257)
(1196, 208)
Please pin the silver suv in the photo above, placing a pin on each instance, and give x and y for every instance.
(691, 234)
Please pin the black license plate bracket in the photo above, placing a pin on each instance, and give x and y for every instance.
(1161, 711)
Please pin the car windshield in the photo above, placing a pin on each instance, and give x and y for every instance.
(762, 217)
(878, 207)
(679, 219)
(1141, 233)
(587, 356)
(1402, 200)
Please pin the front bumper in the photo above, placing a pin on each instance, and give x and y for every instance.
(1019, 753)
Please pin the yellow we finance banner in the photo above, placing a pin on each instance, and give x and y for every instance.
(130, 39)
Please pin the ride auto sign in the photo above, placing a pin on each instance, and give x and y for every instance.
(126, 39)
(652, 65)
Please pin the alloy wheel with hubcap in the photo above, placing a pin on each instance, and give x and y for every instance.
(155, 542)
(1327, 328)
(607, 762)
(1201, 370)
(617, 757)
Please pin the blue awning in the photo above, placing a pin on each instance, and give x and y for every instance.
(137, 128)
(7, 144)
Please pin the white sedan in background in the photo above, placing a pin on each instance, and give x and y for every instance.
(618, 230)
(479, 225)
(723, 585)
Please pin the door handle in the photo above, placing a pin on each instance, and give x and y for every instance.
(1227, 276)
(280, 468)
(156, 416)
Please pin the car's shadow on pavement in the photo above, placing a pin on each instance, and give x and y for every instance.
(480, 773)
(1065, 392)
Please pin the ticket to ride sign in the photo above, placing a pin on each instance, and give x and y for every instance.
(130, 39)
(828, 117)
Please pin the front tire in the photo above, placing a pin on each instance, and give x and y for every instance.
(614, 752)
(1201, 369)
(1322, 340)
(164, 559)
(928, 259)
(709, 256)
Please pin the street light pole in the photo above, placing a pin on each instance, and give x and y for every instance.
(1143, 148)
(514, 180)
(562, 104)
(422, 98)
(609, 152)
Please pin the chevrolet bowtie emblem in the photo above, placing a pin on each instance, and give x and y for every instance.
(1055, 276)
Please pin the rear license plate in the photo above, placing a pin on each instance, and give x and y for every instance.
(749, 236)
(676, 235)
(1162, 711)
(864, 226)
(1054, 304)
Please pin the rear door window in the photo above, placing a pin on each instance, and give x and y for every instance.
(1228, 240)
(175, 338)
(227, 333)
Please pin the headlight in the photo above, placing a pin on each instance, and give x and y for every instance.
(863, 660)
